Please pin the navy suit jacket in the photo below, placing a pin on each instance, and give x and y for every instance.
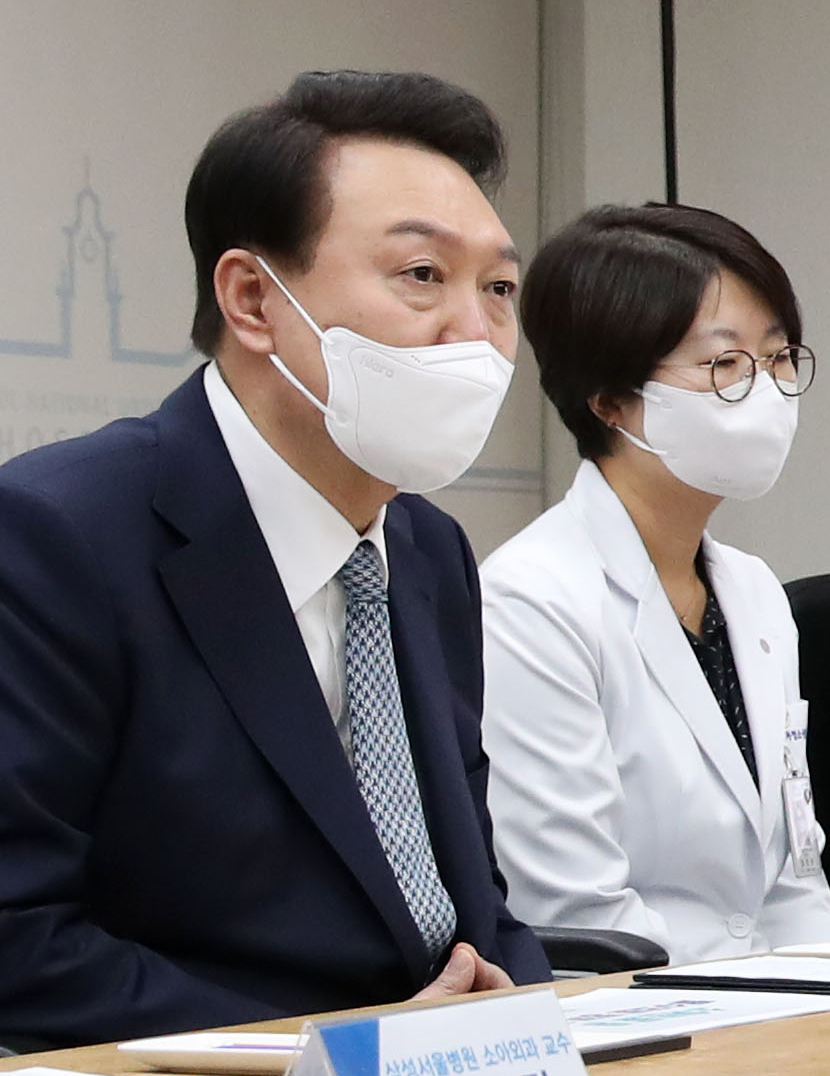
(182, 842)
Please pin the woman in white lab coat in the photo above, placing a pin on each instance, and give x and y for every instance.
(642, 710)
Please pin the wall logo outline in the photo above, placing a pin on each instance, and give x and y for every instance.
(89, 246)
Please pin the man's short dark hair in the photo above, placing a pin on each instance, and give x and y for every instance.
(616, 290)
(260, 181)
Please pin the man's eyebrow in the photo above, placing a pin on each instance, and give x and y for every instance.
(418, 226)
(510, 253)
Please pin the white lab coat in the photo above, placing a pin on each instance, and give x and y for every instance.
(619, 796)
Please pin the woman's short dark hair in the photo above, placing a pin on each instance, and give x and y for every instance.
(260, 181)
(616, 290)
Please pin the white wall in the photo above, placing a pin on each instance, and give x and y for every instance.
(104, 106)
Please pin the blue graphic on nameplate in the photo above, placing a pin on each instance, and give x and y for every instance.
(520, 1034)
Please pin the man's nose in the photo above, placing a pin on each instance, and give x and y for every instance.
(465, 320)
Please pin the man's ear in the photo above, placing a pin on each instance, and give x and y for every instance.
(244, 293)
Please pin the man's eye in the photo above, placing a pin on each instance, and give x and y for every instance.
(504, 288)
(424, 274)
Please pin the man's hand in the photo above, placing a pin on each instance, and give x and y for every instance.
(465, 973)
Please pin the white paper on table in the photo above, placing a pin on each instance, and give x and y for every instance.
(821, 949)
(44, 1070)
(610, 1016)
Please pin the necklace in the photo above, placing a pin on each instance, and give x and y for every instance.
(682, 617)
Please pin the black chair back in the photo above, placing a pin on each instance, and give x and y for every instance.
(583, 951)
(810, 602)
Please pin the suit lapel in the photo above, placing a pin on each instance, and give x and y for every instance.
(659, 636)
(227, 592)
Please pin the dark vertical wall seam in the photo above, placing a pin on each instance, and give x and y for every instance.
(542, 89)
(669, 102)
(541, 133)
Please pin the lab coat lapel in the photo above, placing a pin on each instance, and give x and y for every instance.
(660, 637)
(753, 645)
(224, 585)
(674, 665)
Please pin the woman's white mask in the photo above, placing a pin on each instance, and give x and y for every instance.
(413, 417)
(729, 449)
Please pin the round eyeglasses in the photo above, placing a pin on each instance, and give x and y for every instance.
(733, 372)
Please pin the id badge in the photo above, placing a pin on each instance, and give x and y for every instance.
(801, 826)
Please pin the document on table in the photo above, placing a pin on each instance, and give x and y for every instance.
(769, 972)
(609, 1016)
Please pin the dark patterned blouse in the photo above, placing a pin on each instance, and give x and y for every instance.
(714, 653)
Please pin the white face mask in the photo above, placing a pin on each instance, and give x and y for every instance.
(415, 417)
(730, 449)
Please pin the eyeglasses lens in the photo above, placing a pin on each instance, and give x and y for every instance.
(794, 370)
(732, 375)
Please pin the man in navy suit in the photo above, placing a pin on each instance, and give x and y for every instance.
(183, 842)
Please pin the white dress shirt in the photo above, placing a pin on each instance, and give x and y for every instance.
(308, 539)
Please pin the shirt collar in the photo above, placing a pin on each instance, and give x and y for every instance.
(308, 539)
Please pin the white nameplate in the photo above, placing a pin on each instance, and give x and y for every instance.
(521, 1034)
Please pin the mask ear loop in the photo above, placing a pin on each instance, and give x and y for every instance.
(636, 440)
(275, 359)
(306, 317)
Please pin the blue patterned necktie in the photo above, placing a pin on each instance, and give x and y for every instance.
(382, 758)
